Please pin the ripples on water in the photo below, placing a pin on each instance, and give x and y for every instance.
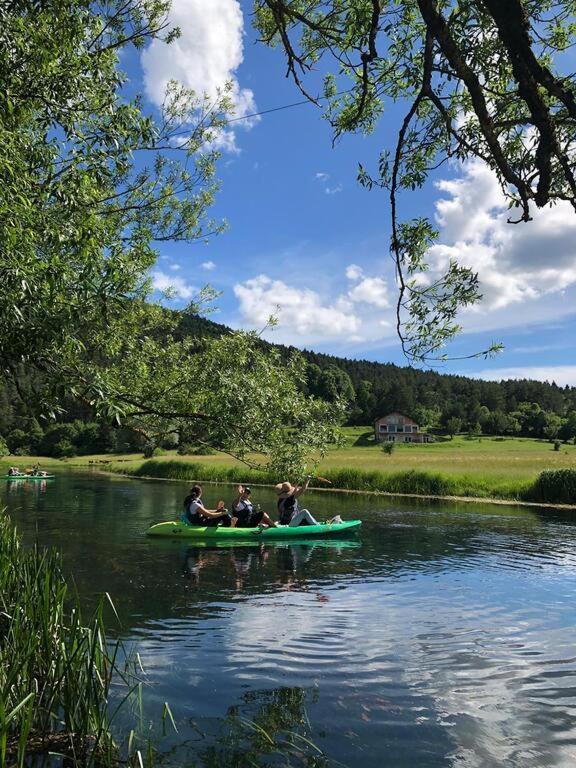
(441, 636)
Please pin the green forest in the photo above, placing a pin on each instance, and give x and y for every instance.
(441, 403)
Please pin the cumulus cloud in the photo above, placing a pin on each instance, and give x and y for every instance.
(371, 290)
(519, 266)
(204, 58)
(301, 311)
(354, 272)
(176, 286)
(208, 265)
(306, 316)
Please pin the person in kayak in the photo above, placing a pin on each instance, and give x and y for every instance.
(195, 513)
(288, 507)
(243, 513)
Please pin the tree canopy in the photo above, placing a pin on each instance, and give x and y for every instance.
(90, 187)
(481, 79)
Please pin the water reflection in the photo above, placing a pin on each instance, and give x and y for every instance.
(255, 566)
(443, 635)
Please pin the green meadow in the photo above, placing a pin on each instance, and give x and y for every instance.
(485, 467)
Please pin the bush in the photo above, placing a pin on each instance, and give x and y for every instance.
(557, 445)
(389, 448)
(3, 447)
(64, 449)
(554, 486)
(18, 440)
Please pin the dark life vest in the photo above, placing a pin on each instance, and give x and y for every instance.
(287, 508)
(194, 518)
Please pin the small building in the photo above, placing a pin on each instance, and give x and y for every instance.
(395, 427)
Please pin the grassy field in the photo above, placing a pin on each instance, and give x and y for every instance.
(502, 458)
(485, 467)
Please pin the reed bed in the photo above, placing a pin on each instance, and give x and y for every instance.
(410, 481)
(55, 671)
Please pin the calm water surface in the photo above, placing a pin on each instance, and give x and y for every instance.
(443, 635)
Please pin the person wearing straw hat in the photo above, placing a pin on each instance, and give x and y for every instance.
(288, 508)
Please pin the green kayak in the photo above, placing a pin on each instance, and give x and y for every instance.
(29, 477)
(181, 530)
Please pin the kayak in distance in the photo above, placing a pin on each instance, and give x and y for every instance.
(28, 477)
(181, 530)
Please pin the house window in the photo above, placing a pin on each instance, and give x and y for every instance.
(408, 439)
(415, 428)
(392, 428)
(383, 428)
(399, 428)
(391, 438)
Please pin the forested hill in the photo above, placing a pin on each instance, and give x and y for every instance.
(439, 402)
(436, 400)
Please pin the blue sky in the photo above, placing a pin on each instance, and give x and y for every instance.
(304, 236)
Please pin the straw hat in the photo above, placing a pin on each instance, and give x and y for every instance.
(285, 487)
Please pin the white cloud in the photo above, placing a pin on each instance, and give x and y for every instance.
(300, 311)
(354, 272)
(208, 265)
(175, 267)
(323, 178)
(307, 317)
(561, 374)
(371, 290)
(172, 284)
(204, 58)
(523, 268)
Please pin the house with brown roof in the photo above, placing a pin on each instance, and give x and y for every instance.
(397, 428)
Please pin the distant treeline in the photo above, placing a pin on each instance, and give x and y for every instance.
(439, 402)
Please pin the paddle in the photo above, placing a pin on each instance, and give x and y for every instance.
(320, 478)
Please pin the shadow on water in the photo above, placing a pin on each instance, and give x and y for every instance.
(442, 635)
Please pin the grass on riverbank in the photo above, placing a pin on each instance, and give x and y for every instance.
(505, 468)
(408, 482)
(55, 672)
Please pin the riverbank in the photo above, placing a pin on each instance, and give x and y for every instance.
(500, 469)
(552, 487)
(55, 671)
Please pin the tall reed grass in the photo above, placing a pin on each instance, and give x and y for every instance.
(412, 481)
(556, 486)
(55, 671)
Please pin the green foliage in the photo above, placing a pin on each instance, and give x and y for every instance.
(418, 482)
(55, 671)
(453, 425)
(486, 82)
(89, 185)
(554, 486)
(4, 451)
(388, 448)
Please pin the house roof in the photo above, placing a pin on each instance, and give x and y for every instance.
(395, 413)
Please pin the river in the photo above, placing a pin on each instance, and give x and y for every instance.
(441, 635)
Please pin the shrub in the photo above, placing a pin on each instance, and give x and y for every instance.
(63, 449)
(3, 447)
(554, 486)
(557, 445)
(389, 448)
